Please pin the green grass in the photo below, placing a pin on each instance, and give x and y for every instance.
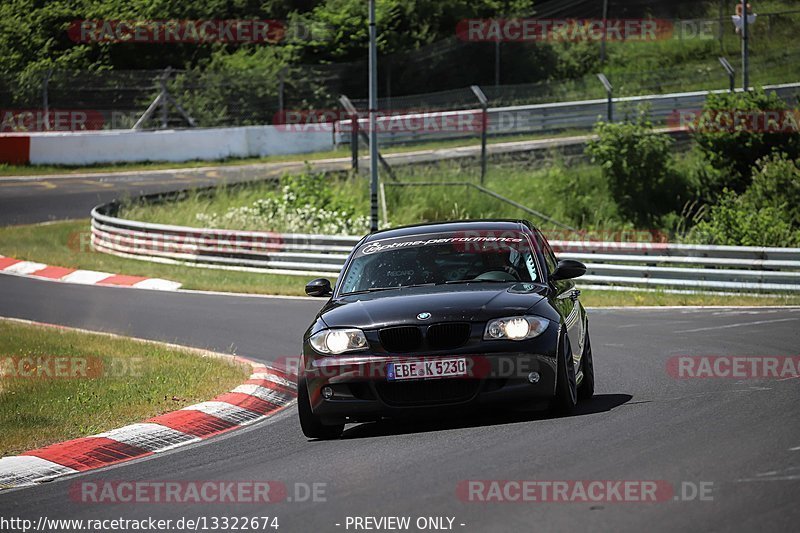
(595, 298)
(125, 382)
(66, 244)
(541, 186)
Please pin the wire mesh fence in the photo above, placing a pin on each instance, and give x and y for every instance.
(510, 73)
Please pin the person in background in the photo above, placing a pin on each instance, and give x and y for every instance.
(738, 19)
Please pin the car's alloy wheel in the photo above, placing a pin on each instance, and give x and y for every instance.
(566, 390)
(586, 390)
(311, 425)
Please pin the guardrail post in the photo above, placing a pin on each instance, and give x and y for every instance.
(610, 92)
(484, 126)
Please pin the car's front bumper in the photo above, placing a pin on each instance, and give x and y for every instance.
(362, 391)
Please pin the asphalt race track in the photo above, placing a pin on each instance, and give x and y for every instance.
(30, 199)
(25, 200)
(741, 438)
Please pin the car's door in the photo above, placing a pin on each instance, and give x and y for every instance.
(567, 301)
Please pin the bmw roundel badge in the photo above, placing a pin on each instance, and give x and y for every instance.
(423, 316)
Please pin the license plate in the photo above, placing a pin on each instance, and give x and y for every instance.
(435, 368)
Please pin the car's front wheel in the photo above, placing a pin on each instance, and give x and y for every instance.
(566, 389)
(312, 426)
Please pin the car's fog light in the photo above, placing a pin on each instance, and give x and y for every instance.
(327, 393)
(533, 377)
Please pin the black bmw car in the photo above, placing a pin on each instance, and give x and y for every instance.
(445, 316)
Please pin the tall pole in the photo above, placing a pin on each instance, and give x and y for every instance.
(497, 63)
(605, 32)
(745, 51)
(373, 109)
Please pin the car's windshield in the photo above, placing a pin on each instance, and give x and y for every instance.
(439, 259)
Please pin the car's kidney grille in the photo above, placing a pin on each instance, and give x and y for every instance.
(427, 392)
(401, 339)
(447, 336)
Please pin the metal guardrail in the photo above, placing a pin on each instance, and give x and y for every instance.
(721, 268)
(539, 118)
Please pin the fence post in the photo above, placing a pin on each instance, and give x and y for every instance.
(165, 98)
(484, 126)
(605, 33)
(610, 92)
(497, 63)
(354, 132)
(281, 83)
(731, 72)
(45, 100)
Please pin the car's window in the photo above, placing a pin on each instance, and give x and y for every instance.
(440, 258)
(547, 251)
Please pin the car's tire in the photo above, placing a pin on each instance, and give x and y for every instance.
(586, 390)
(312, 426)
(566, 397)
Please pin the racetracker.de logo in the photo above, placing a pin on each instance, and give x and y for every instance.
(785, 121)
(196, 492)
(573, 30)
(16, 120)
(177, 31)
(733, 367)
(205, 241)
(581, 491)
(47, 367)
(386, 122)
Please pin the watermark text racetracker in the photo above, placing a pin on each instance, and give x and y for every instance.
(200, 492)
(729, 121)
(169, 31)
(733, 367)
(584, 29)
(582, 491)
(49, 367)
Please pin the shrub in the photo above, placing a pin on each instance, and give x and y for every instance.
(304, 205)
(731, 148)
(637, 163)
(767, 214)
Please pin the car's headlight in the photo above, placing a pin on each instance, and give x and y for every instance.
(515, 328)
(336, 341)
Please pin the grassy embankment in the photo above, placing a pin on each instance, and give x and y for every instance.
(95, 383)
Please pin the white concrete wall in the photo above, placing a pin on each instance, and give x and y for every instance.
(85, 148)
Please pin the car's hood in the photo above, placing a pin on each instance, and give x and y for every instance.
(472, 302)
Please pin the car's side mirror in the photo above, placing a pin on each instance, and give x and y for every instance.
(568, 269)
(319, 287)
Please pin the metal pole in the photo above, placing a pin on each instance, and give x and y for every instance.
(731, 73)
(373, 109)
(745, 51)
(610, 91)
(354, 141)
(45, 101)
(484, 133)
(497, 63)
(281, 86)
(164, 99)
(605, 32)
(481, 96)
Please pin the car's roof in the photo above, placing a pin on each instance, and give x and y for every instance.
(492, 225)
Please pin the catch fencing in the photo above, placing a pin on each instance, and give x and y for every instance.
(662, 109)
